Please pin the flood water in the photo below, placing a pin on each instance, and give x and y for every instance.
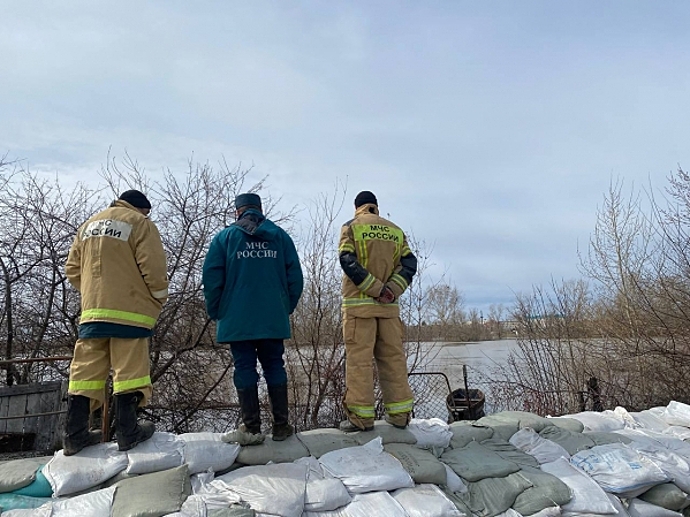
(482, 360)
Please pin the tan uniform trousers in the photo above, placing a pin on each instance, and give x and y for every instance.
(380, 339)
(93, 359)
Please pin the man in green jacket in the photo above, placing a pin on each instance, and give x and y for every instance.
(118, 264)
(252, 283)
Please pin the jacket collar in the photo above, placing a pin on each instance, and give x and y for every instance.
(369, 208)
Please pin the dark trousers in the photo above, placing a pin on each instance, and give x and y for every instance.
(269, 352)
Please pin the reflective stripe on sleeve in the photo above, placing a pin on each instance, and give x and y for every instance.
(395, 408)
(86, 385)
(141, 382)
(362, 411)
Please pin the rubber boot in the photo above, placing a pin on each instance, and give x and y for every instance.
(249, 432)
(129, 432)
(279, 404)
(77, 434)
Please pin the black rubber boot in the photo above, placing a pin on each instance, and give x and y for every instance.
(77, 434)
(249, 406)
(129, 432)
(279, 404)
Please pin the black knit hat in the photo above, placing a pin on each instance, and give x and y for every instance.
(247, 199)
(365, 197)
(136, 199)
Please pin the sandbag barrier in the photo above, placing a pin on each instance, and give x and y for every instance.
(507, 464)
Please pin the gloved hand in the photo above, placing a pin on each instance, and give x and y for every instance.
(386, 296)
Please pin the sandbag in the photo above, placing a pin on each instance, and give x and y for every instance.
(491, 496)
(639, 508)
(320, 441)
(276, 489)
(203, 451)
(619, 469)
(509, 452)
(44, 511)
(10, 501)
(587, 495)
(675, 466)
(233, 511)
(547, 491)
(454, 483)
(286, 451)
(86, 469)
(464, 432)
(571, 441)
(152, 495)
(474, 462)
(92, 504)
(432, 433)
(366, 468)
(677, 413)
(17, 474)
(324, 492)
(667, 496)
(425, 500)
(40, 487)
(420, 464)
(366, 505)
(162, 451)
(387, 432)
(543, 450)
(651, 419)
(569, 424)
(604, 438)
(518, 419)
(606, 421)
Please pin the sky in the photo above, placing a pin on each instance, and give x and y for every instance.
(489, 130)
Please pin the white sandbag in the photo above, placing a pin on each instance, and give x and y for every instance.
(86, 469)
(510, 513)
(618, 505)
(431, 433)
(160, 452)
(454, 483)
(276, 489)
(203, 451)
(426, 500)
(670, 463)
(194, 506)
(373, 504)
(91, 504)
(619, 469)
(543, 450)
(587, 495)
(552, 511)
(324, 492)
(639, 508)
(606, 421)
(649, 419)
(677, 413)
(366, 468)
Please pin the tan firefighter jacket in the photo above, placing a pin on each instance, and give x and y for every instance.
(373, 253)
(118, 264)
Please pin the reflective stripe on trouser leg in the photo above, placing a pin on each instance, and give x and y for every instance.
(391, 363)
(131, 366)
(89, 369)
(360, 338)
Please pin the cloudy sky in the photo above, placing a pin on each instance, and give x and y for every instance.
(491, 130)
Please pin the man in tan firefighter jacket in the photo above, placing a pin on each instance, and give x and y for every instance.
(117, 263)
(378, 267)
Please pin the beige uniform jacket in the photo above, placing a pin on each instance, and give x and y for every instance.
(118, 264)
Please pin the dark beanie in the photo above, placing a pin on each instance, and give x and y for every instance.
(136, 199)
(247, 199)
(365, 197)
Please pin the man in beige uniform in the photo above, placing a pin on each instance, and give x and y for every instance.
(378, 266)
(118, 264)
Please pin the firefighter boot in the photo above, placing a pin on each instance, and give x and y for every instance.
(77, 434)
(129, 432)
(279, 404)
(249, 432)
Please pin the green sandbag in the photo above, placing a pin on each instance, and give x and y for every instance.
(570, 441)
(474, 462)
(465, 432)
(152, 495)
(18, 474)
(547, 491)
(492, 496)
(420, 464)
(509, 452)
(668, 496)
